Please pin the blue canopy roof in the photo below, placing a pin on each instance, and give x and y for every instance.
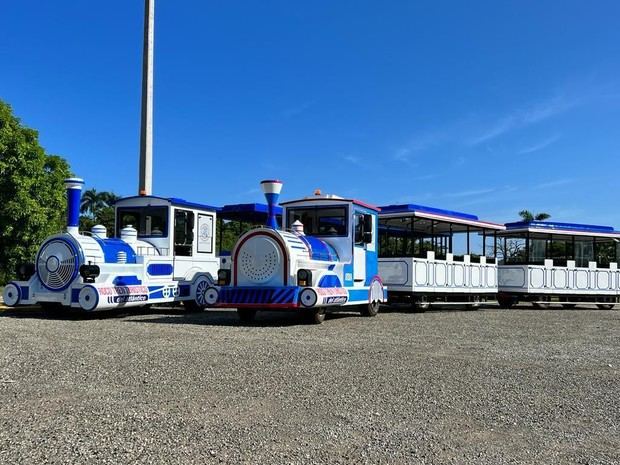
(404, 208)
(554, 225)
(250, 212)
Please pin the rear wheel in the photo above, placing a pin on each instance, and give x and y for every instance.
(246, 314)
(605, 306)
(505, 301)
(316, 315)
(420, 305)
(191, 306)
(371, 309)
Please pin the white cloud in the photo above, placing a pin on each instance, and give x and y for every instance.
(540, 145)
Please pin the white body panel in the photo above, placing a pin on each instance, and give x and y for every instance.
(550, 279)
(430, 275)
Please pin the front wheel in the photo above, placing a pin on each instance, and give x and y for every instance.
(605, 306)
(316, 315)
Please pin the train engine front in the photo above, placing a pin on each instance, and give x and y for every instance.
(296, 269)
(90, 272)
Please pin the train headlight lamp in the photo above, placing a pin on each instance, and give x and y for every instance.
(304, 278)
(223, 277)
(89, 273)
(24, 271)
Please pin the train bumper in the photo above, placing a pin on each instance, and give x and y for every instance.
(282, 297)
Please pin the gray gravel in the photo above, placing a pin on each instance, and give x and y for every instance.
(486, 387)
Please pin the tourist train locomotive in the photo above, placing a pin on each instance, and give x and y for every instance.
(156, 258)
(325, 258)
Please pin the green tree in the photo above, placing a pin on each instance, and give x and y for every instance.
(32, 194)
(528, 216)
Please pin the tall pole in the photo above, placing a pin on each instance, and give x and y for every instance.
(146, 126)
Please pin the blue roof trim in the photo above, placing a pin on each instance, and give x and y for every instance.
(560, 226)
(174, 201)
(184, 203)
(423, 209)
(249, 207)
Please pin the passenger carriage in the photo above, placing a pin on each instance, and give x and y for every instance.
(325, 258)
(566, 263)
(432, 256)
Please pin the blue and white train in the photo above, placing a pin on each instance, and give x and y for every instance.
(164, 252)
(325, 259)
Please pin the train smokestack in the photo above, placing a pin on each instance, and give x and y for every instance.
(271, 189)
(74, 194)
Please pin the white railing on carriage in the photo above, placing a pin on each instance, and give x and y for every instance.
(557, 279)
(431, 274)
(147, 251)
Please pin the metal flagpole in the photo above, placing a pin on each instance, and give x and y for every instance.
(146, 126)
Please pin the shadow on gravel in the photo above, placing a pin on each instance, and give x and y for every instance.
(265, 319)
(36, 312)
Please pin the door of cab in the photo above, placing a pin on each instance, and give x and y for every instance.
(183, 245)
(362, 236)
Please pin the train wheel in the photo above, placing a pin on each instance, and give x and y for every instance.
(191, 306)
(246, 314)
(316, 315)
(505, 301)
(541, 305)
(475, 303)
(605, 306)
(419, 305)
(371, 309)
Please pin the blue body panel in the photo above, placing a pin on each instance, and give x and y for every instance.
(404, 208)
(111, 248)
(268, 296)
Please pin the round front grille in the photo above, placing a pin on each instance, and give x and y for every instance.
(57, 264)
(259, 259)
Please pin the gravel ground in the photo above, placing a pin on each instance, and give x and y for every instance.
(485, 387)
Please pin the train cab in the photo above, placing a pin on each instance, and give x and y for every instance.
(182, 230)
(324, 259)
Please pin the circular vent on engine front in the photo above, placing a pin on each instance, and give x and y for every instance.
(57, 264)
(259, 259)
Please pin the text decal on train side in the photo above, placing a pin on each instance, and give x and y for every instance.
(123, 294)
(333, 295)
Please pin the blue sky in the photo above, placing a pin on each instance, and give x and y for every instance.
(484, 107)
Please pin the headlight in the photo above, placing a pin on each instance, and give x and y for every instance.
(304, 278)
(89, 273)
(25, 271)
(223, 277)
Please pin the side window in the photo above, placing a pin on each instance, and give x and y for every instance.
(183, 232)
(359, 229)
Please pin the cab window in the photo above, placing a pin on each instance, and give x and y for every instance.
(183, 232)
(148, 221)
(320, 221)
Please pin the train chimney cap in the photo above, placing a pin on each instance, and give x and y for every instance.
(271, 188)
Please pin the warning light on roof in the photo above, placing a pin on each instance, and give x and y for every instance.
(317, 191)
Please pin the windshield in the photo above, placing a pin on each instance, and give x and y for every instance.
(319, 221)
(148, 221)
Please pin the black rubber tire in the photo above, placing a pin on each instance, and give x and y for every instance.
(191, 306)
(419, 306)
(541, 305)
(246, 315)
(370, 309)
(605, 306)
(569, 306)
(505, 301)
(315, 316)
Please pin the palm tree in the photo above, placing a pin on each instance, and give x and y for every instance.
(93, 202)
(528, 216)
